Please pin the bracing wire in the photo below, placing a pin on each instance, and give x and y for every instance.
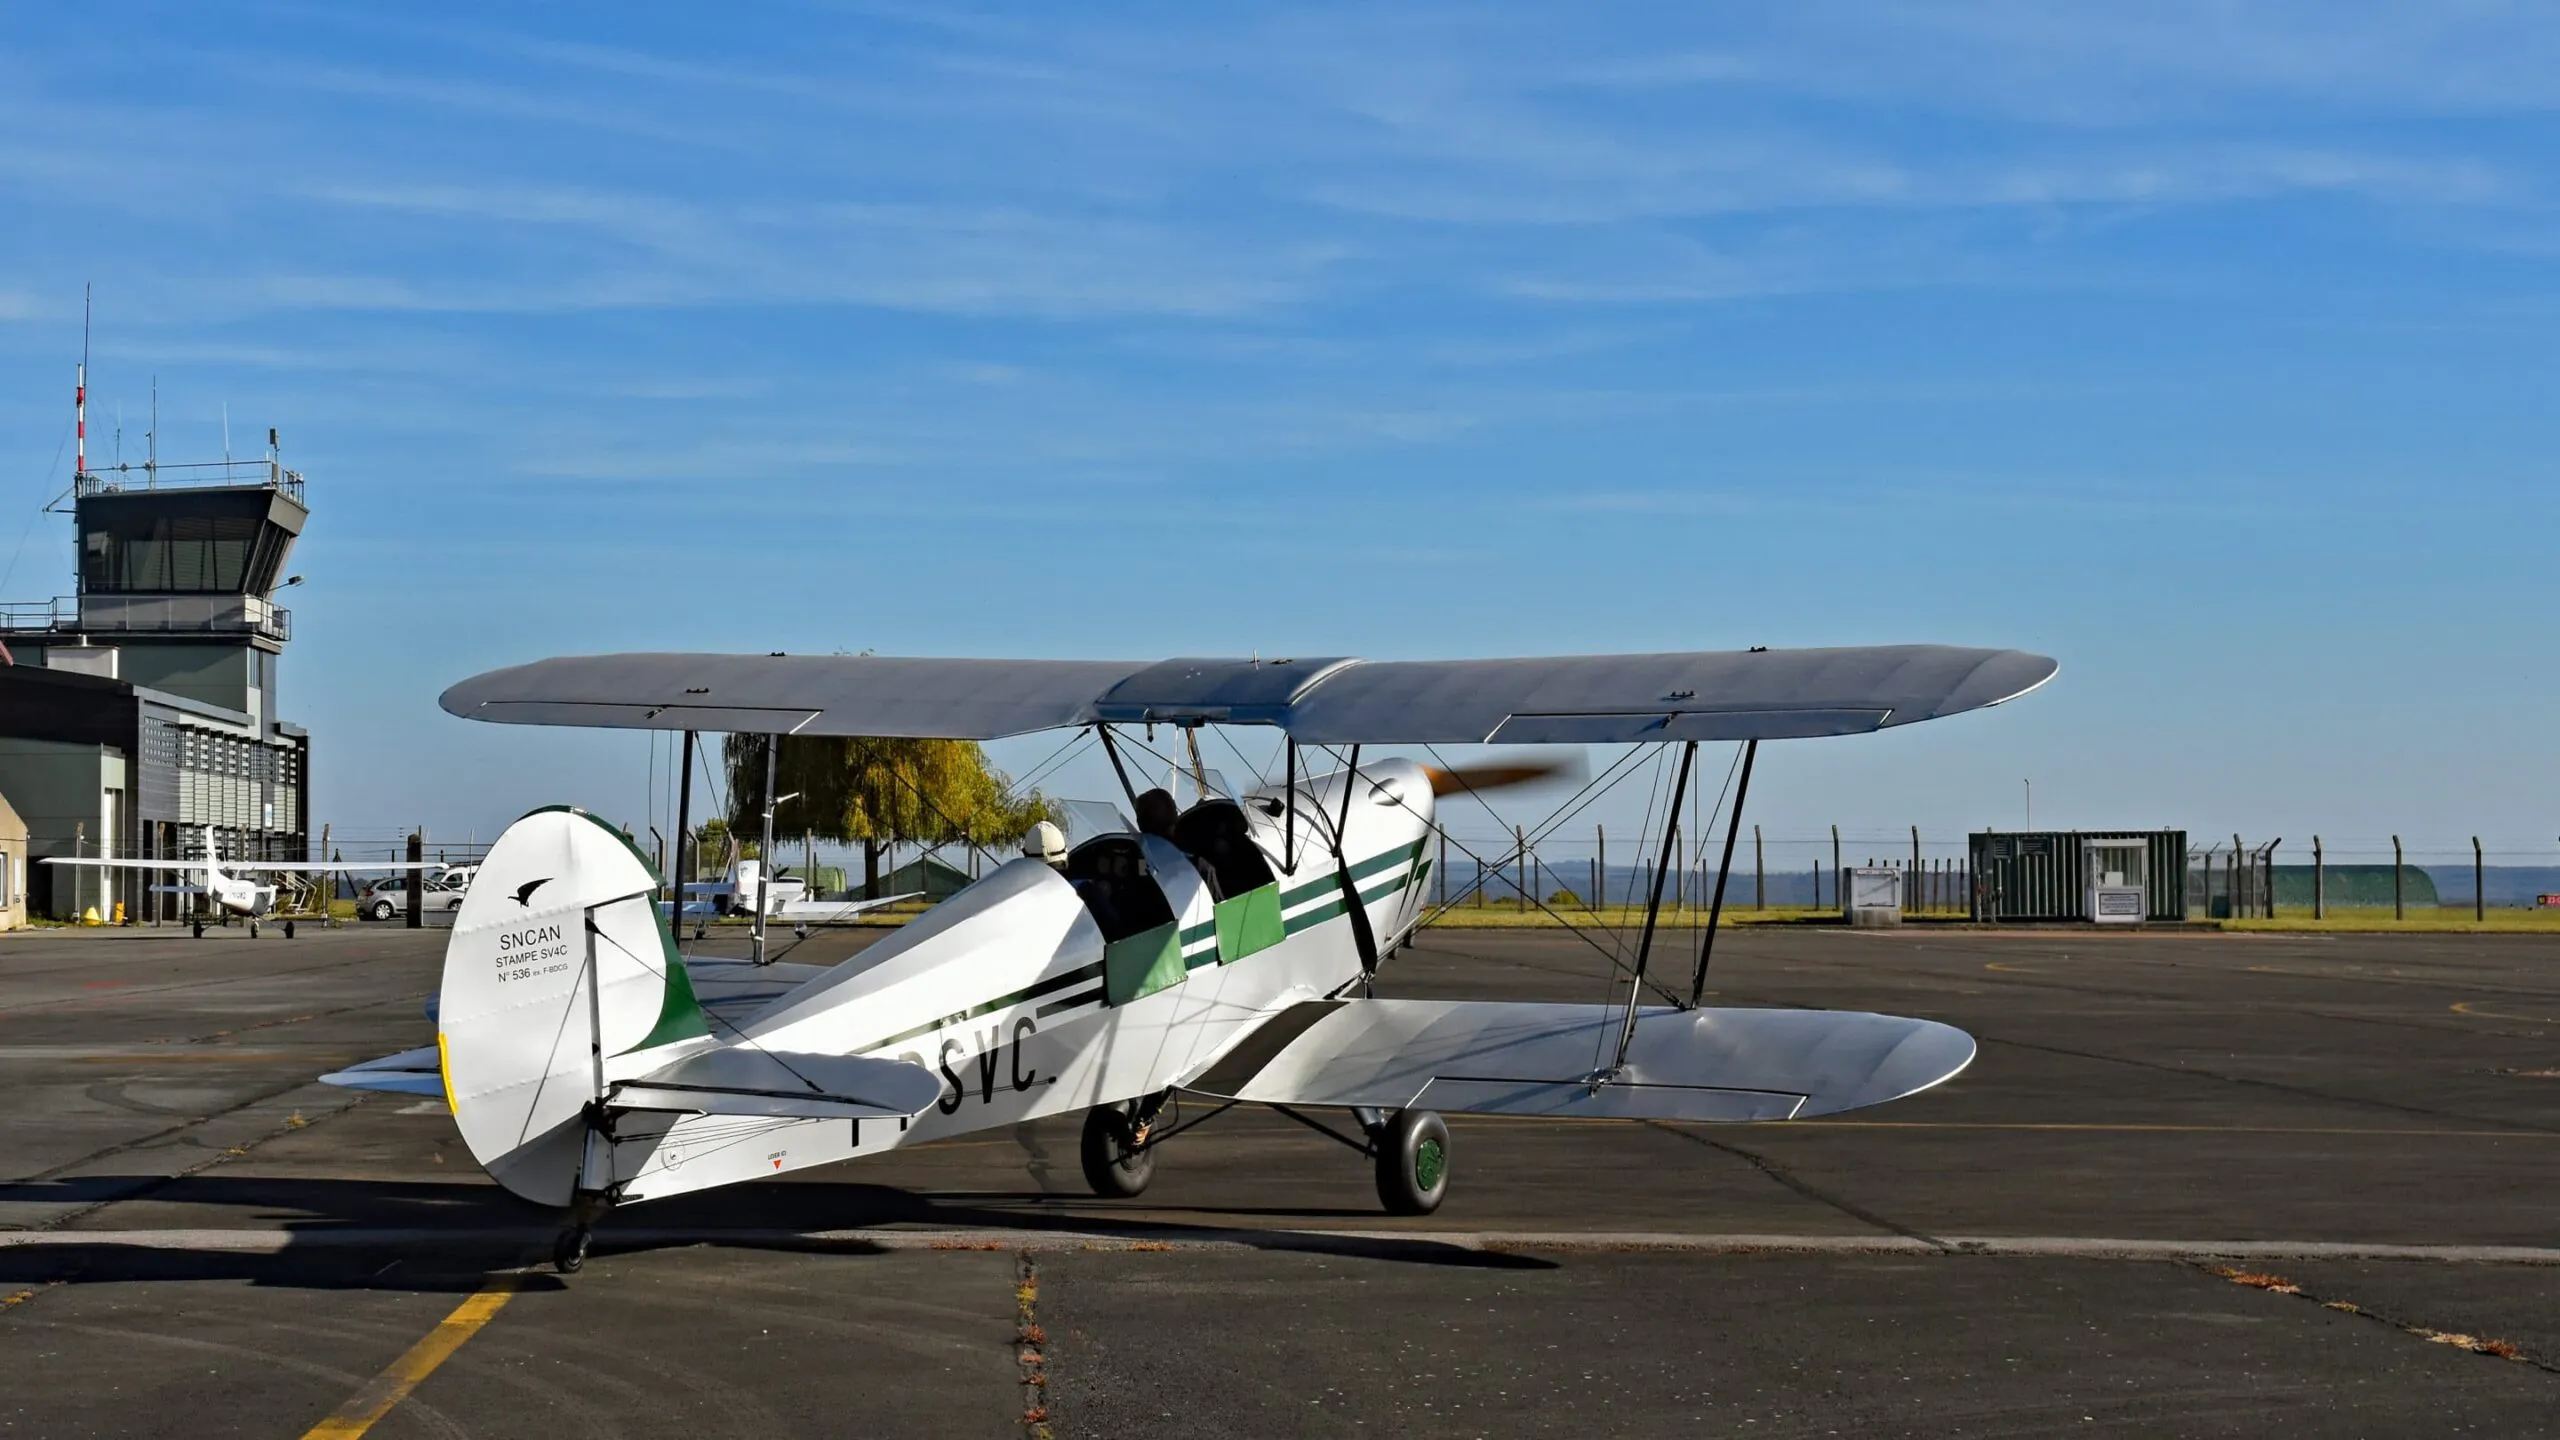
(707, 1013)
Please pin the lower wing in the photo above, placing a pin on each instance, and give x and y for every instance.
(1477, 1057)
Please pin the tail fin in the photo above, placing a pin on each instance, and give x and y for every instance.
(558, 963)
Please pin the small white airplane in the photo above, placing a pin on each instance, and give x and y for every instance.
(234, 894)
(1224, 952)
(785, 899)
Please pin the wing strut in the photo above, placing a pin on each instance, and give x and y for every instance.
(1363, 938)
(1715, 911)
(1653, 907)
(1112, 749)
(680, 863)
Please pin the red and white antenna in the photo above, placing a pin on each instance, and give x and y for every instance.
(80, 391)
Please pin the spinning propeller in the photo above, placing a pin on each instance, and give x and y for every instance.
(1502, 774)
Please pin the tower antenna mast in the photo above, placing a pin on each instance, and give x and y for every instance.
(80, 393)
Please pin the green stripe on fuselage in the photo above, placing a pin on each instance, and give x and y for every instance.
(1097, 970)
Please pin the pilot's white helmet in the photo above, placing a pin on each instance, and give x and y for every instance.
(1045, 842)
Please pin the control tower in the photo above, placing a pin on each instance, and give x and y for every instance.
(142, 709)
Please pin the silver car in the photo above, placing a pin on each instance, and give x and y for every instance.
(388, 898)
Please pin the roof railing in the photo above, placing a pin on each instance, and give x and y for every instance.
(196, 475)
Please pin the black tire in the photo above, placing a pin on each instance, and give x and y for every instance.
(1413, 1162)
(199, 929)
(288, 929)
(1116, 1169)
(569, 1252)
(253, 929)
(382, 910)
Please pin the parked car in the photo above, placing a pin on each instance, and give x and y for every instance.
(388, 898)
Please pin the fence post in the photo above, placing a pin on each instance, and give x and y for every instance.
(2398, 910)
(1520, 863)
(2479, 883)
(1600, 836)
(417, 879)
(2319, 881)
(1839, 883)
(1759, 872)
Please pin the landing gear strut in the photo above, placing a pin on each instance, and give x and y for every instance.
(1117, 1161)
(569, 1252)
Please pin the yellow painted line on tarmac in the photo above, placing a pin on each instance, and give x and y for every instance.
(2008, 969)
(2466, 1007)
(393, 1385)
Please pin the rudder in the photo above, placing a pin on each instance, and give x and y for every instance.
(523, 1033)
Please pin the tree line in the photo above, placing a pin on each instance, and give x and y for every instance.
(877, 791)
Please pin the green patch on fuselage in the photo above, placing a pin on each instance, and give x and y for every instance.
(1249, 922)
(1142, 964)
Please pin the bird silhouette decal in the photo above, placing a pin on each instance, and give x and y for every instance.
(524, 892)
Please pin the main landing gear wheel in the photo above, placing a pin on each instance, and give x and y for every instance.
(1413, 1162)
(253, 929)
(288, 929)
(569, 1252)
(1117, 1164)
(199, 929)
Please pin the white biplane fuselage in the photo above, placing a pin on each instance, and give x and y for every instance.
(1007, 989)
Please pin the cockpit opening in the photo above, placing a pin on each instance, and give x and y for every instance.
(1214, 832)
(1111, 876)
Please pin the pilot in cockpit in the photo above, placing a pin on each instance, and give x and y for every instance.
(1157, 815)
(1046, 843)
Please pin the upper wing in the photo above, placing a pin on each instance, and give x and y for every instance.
(1487, 1058)
(1574, 699)
(792, 694)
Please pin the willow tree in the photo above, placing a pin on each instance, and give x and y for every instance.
(876, 791)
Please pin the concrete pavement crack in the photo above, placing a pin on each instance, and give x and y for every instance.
(1791, 1181)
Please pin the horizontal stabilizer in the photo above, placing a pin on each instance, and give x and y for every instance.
(1474, 1057)
(738, 1081)
(411, 1072)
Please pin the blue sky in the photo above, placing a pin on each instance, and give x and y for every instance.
(2206, 347)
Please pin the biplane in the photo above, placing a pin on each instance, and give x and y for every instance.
(230, 893)
(1224, 951)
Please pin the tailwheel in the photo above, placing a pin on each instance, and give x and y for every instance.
(1117, 1162)
(1412, 1150)
(569, 1252)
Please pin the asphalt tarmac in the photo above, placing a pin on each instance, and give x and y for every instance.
(2193, 1185)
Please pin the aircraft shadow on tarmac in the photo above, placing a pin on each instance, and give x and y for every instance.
(395, 1235)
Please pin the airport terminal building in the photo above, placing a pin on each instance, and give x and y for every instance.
(143, 709)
